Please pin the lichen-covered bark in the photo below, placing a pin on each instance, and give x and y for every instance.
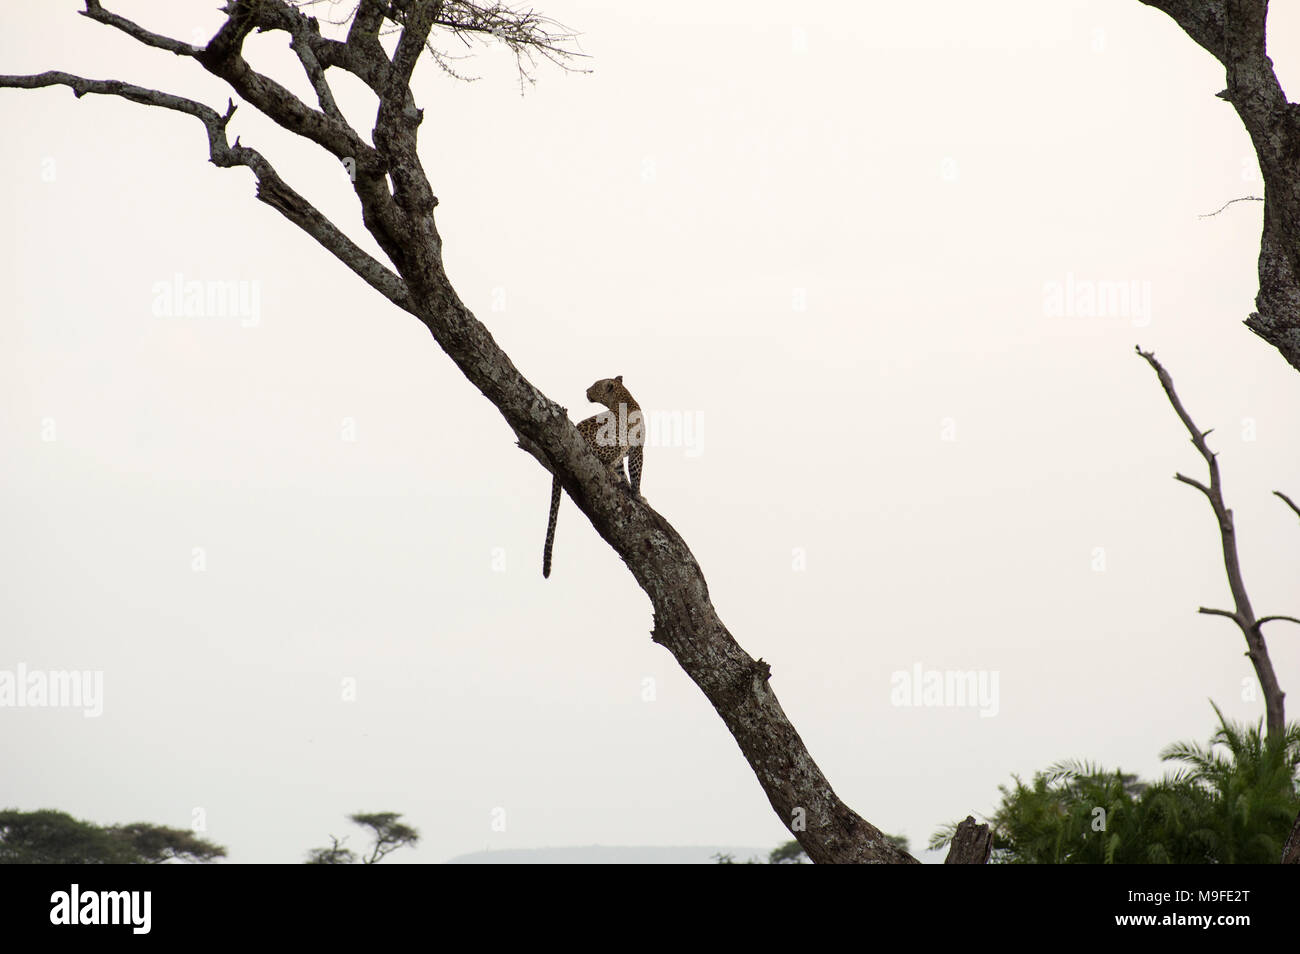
(972, 844)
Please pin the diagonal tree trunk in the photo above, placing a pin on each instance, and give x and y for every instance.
(397, 208)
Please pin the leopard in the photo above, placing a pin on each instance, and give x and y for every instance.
(615, 435)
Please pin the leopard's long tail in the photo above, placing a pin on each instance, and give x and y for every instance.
(550, 527)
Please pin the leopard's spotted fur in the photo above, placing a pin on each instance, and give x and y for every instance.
(613, 435)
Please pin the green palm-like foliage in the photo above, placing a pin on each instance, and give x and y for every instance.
(1073, 813)
(1242, 793)
(1232, 802)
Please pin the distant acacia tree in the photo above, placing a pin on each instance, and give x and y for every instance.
(389, 834)
(56, 838)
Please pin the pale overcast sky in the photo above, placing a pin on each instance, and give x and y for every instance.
(837, 246)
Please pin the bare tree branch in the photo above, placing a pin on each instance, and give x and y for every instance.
(1268, 619)
(1218, 612)
(1194, 483)
(1244, 198)
(223, 57)
(1288, 501)
(363, 34)
(306, 41)
(524, 33)
(1243, 615)
(272, 189)
(402, 223)
(95, 12)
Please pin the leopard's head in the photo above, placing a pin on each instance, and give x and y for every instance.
(606, 391)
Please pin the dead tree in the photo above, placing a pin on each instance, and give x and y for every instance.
(1233, 32)
(397, 208)
(972, 844)
(1242, 614)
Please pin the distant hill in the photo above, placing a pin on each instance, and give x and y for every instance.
(610, 855)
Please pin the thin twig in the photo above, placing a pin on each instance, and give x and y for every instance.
(1244, 198)
(1288, 501)
(1269, 619)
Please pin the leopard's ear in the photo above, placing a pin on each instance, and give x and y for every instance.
(619, 379)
